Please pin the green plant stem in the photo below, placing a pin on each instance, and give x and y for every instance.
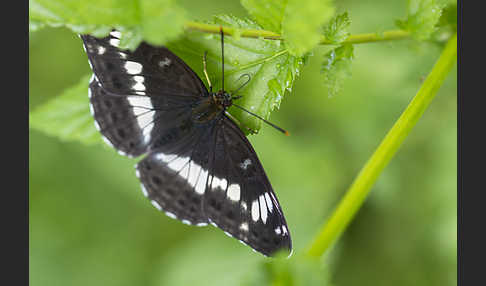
(248, 33)
(372, 37)
(253, 33)
(357, 192)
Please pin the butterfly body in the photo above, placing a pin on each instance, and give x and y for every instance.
(209, 108)
(198, 167)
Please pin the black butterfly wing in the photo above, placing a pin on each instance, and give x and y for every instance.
(175, 179)
(239, 198)
(140, 96)
(214, 176)
(117, 70)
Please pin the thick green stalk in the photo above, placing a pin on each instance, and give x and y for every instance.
(358, 191)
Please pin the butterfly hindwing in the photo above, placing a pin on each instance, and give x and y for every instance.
(175, 178)
(165, 182)
(215, 176)
(239, 198)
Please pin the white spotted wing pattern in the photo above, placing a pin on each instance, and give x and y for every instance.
(197, 171)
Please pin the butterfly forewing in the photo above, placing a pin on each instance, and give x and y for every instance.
(148, 70)
(137, 97)
(199, 169)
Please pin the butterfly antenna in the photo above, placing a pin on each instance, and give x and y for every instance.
(222, 51)
(243, 85)
(264, 120)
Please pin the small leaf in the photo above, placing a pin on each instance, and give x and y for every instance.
(162, 20)
(83, 16)
(35, 25)
(422, 17)
(271, 68)
(336, 68)
(337, 29)
(67, 116)
(302, 23)
(130, 37)
(268, 14)
(156, 21)
(449, 17)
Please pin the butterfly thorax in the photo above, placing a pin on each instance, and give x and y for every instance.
(208, 108)
(222, 99)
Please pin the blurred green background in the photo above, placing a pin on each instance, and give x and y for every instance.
(91, 225)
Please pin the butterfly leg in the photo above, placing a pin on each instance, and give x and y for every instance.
(240, 123)
(206, 72)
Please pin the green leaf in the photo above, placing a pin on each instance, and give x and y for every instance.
(302, 23)
(422, 17)
(337, 29)
(84, 16)
(271, 68)
(449, 17)
(156, 21)
(35, 25)
(268, 14)
(162, 20)
(130, 37)
(67, 116)
(336, 68)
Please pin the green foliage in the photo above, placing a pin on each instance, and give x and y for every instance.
(449, 17)
(67, 116)
(268, 14)
(145, 18)
(295, 271)
(233, 263)
(336, 68)
(422, 18)
(161, 15)
(337, 29)
(145, 248)
(302, 23)
(35, 25)
(130, 37)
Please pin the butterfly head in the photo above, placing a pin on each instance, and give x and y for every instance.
(223, 99)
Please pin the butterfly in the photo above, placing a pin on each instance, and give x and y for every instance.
(198, 165)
